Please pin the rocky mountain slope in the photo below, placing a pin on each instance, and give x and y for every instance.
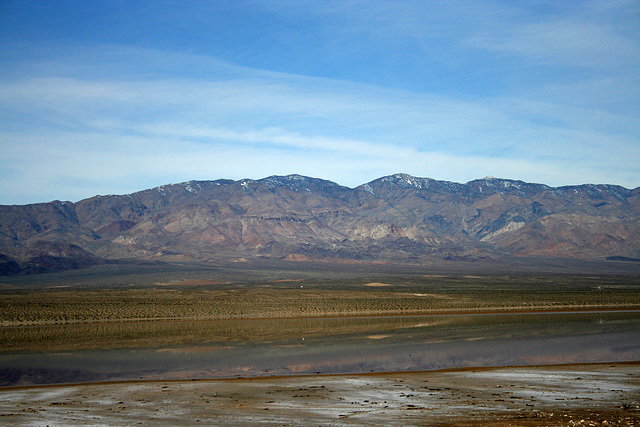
(397, 218)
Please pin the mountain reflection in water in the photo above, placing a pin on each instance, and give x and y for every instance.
(247, 348)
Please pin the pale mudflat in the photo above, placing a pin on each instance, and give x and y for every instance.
(602, 394)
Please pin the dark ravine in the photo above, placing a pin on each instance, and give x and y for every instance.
(397, 218)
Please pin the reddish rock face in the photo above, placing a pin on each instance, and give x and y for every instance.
(397, 218)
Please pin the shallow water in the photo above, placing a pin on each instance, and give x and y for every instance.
(247, 348)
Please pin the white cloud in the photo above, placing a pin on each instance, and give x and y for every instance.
(571, 42)
(80, 164)
(116, 119)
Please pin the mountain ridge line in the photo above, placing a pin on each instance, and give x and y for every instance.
(397, 218)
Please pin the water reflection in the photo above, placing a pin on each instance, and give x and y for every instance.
(222, 349)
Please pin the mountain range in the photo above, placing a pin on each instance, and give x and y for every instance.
(395, 219)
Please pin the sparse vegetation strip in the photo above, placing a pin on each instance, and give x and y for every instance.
(51, 307)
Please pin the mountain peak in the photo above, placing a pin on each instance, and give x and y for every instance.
(405, 180)
(491, 184)
(299, 183)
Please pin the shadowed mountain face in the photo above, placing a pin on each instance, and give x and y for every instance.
(397, 218)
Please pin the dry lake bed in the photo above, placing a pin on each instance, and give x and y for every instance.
(588, 395)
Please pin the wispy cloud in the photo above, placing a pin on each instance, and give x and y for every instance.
(76, 120)
(570, 42)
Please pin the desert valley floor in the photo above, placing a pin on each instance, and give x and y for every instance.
(323, 344)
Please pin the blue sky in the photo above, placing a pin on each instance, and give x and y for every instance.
(119, 96)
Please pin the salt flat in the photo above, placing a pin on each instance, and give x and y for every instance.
(599, 394)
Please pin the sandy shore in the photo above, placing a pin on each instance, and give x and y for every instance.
(601, 394)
